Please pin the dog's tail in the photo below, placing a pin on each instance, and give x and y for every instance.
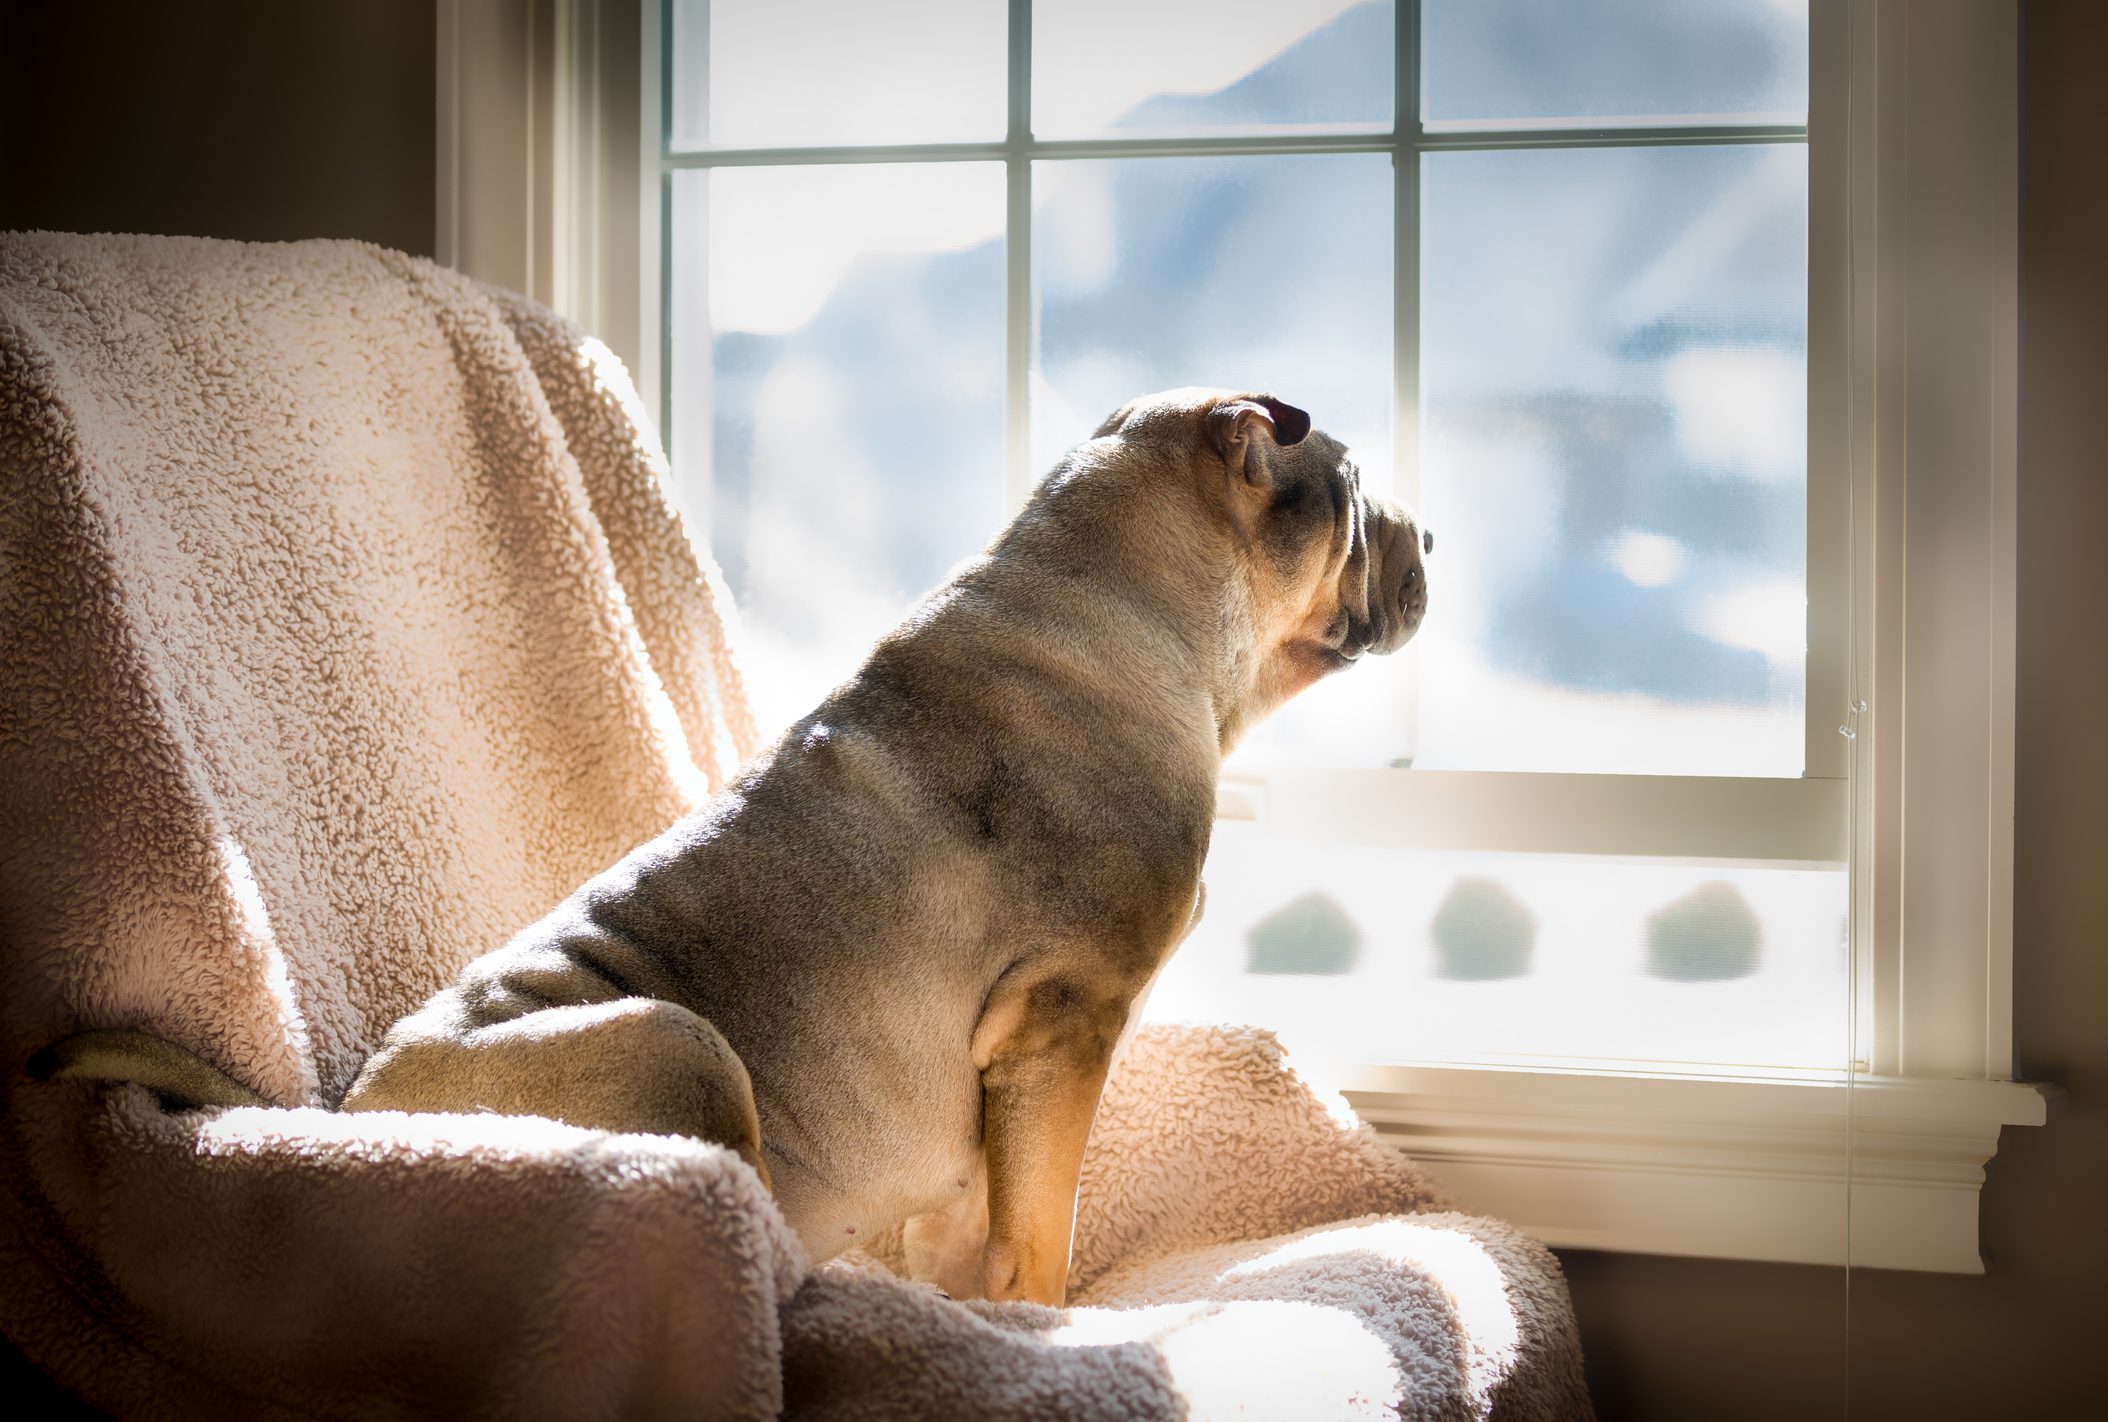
(180, 1078)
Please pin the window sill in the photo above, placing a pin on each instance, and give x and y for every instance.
(1710, 1167)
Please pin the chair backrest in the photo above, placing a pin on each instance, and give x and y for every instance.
(345, 626)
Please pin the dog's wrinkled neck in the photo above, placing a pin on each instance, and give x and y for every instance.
(1184, 569)
(1161, 589)
(1238, 663)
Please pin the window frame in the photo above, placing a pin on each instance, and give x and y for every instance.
(1409, 138)
(1913, 298)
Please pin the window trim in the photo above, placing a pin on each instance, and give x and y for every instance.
(1882, 1172)
(550, 124)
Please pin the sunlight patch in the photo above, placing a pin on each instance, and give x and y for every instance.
(1771, 618)
(1741, 409)
(1649, 560)
(1255, 1358)
(254, 918)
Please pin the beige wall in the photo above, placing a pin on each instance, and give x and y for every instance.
(292, 118)
(260, 119)
(1678, 1339)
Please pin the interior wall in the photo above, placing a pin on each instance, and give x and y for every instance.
(1678, 1339)
(259, 119)
(241, 119)
(266, 120)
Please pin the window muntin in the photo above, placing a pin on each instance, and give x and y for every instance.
(1373, 718)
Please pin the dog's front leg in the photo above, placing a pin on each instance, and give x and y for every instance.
(1045, 1052)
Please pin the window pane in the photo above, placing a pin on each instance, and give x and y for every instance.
(852, 376)
(812, 73)
(1158, 272)
(1379, 953)
(1531, 63)
(1613, 459)
(1205, 66)
(1252, 273)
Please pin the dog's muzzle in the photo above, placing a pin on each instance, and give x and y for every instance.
(1396, 574)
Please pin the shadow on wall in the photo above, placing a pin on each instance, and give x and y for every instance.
(250, 119)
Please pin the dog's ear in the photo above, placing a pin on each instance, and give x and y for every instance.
(1243, 429)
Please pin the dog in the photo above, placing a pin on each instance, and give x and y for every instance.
(891, 964)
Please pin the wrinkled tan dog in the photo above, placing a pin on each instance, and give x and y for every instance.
(891, 964)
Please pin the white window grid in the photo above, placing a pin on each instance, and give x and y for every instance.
(1753, 820)
(552, 166)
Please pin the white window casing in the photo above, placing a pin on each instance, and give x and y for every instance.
(1710, 1166)
(548, 157)
(550, 176)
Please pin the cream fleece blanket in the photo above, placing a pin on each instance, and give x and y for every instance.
(344, 628)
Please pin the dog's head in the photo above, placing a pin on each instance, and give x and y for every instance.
(1330, 571)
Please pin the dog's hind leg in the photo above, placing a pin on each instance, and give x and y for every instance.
(944, 1247)
(630, 1064)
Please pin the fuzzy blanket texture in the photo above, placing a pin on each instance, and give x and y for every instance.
(346, 626)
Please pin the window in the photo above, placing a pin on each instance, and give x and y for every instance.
(1562, 307)
(1585, 957)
